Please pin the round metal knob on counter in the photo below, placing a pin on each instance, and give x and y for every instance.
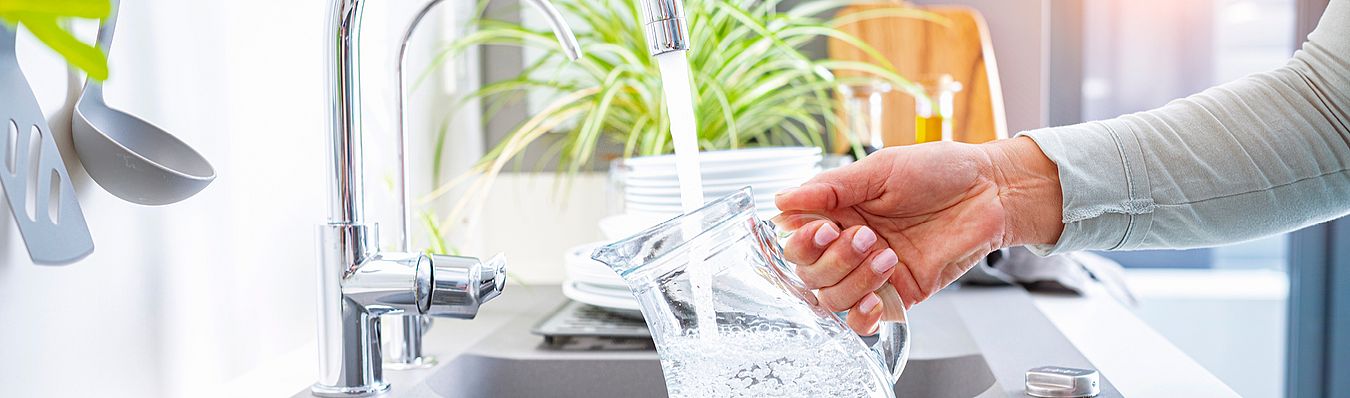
(1062, 382)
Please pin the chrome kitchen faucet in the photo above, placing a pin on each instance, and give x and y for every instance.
(665, 25)
(358, 282)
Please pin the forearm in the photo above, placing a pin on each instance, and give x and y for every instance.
(1265, 154)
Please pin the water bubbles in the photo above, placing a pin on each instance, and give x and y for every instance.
(755, 363)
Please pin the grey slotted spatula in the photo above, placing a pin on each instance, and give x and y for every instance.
(32, 173)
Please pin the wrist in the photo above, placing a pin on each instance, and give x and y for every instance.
(1029, 191)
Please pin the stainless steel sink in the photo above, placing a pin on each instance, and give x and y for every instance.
(473, 376)
(967, 343)
(515, 364)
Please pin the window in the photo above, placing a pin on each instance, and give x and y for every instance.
(1140, 54)
(1135, 55)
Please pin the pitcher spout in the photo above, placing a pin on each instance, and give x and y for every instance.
(609, 255)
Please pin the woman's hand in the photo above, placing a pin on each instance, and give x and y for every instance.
(916, 216)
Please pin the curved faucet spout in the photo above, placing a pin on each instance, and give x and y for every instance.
(406, 347)
(561, 29)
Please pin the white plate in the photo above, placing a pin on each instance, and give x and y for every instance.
(728, 156)
(719, 191)
(580, 267)
(764, 212)
(726, 181)
(600, 300)
(672, 211)
(624, 225)
(611, 291)
(676, 208)
(604, 278)
(668, 170)
(761, 195)
(774, 167)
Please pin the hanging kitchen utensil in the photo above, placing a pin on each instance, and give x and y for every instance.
(60, 120)
(33, 174)
(128, 156)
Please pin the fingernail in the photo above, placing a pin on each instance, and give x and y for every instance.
(825, 234)
(864, 239)
(785, 191)
(869, 303)
(885, 261)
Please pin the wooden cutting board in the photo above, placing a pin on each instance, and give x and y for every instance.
(922, 49)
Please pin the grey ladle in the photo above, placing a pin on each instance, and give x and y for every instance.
(129, 157)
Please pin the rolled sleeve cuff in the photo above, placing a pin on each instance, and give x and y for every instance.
(1104, 183)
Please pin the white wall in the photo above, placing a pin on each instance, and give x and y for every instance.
(535, 220)
(179, 298)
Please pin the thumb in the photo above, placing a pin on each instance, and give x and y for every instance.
(842, 187)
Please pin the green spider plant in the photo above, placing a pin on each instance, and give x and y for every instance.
(754, 85)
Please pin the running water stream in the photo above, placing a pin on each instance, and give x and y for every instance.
(680, 105)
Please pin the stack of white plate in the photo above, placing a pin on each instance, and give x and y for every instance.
(650, 186)
(651, 194)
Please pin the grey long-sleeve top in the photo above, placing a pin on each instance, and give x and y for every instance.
(1265, 154)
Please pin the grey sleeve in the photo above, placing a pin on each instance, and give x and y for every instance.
(1265, 154)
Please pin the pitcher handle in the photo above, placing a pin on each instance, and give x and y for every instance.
(893, 339)
(892, 346)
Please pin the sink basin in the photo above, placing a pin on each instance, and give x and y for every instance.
(967, 343)
(945, 362)
(474, 376)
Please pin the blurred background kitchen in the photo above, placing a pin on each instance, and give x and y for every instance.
(218, 290)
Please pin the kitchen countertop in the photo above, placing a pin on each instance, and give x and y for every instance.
(1138, 359)
(1133, 359)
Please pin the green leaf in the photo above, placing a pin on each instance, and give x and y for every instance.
(45, 27)
(57, 8)
(42, 18)
(438, 243)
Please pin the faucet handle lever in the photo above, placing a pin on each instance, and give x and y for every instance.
(460, 285)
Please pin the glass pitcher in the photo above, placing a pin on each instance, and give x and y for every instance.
(772, 338)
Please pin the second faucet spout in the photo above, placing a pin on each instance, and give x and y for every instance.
(561, 29)
(404, 347)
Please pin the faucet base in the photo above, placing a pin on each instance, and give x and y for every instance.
(320, 390)
(421, 362)
(402, 337)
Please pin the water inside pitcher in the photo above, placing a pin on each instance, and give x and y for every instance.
(772, 337)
